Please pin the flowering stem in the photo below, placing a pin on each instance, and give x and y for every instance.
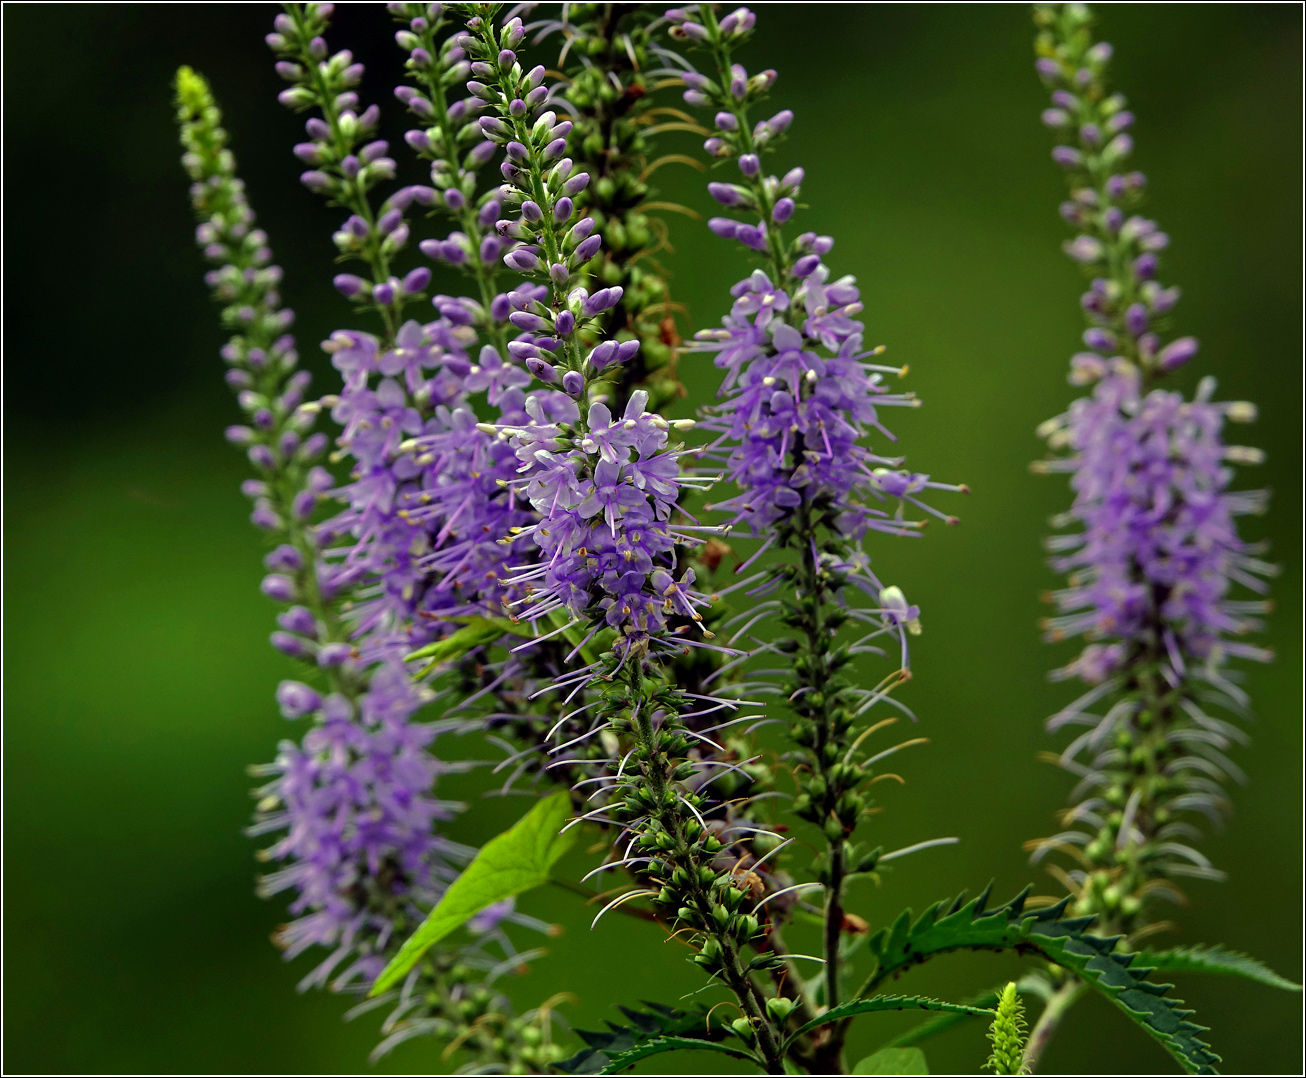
(261, 361)
(1153, 605)
(530, 161)
(682, 844)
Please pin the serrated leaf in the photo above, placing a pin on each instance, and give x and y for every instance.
(893, 1061)
(932, 1027)
(659, 1022)
(510, 863)
(1061, 940)
(658, 1045)
(1201, 958)
(944, 1022)
(884, 1003)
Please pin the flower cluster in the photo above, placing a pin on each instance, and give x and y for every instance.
(1158, 546)
(424, 507)
(1156, 550)
(794, 419)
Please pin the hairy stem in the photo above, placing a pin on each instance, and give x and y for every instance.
(1041, 1036)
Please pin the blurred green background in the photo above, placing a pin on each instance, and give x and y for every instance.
(138, 679)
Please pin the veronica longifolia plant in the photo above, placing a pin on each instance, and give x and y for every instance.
(1154, 557)
(515, 547)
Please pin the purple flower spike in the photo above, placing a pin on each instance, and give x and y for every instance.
(1153, 555)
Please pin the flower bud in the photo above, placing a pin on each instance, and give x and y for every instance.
(297, 699)
(1177, 353)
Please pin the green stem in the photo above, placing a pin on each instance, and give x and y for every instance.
(667, 810)
(1041, 1036)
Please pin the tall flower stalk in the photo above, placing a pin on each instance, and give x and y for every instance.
(1154, 553)
(800, 399)
(261, 361)
(354, 802)
(606, 490)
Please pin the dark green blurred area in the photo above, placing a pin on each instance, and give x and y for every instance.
(138, 679)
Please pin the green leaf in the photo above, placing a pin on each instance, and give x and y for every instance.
(1215, 959)
(507, 865)
(476, 632)
(963, 925)
(659, 1022)
(893, 1061)
(623, 1060)
(884, 1003)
